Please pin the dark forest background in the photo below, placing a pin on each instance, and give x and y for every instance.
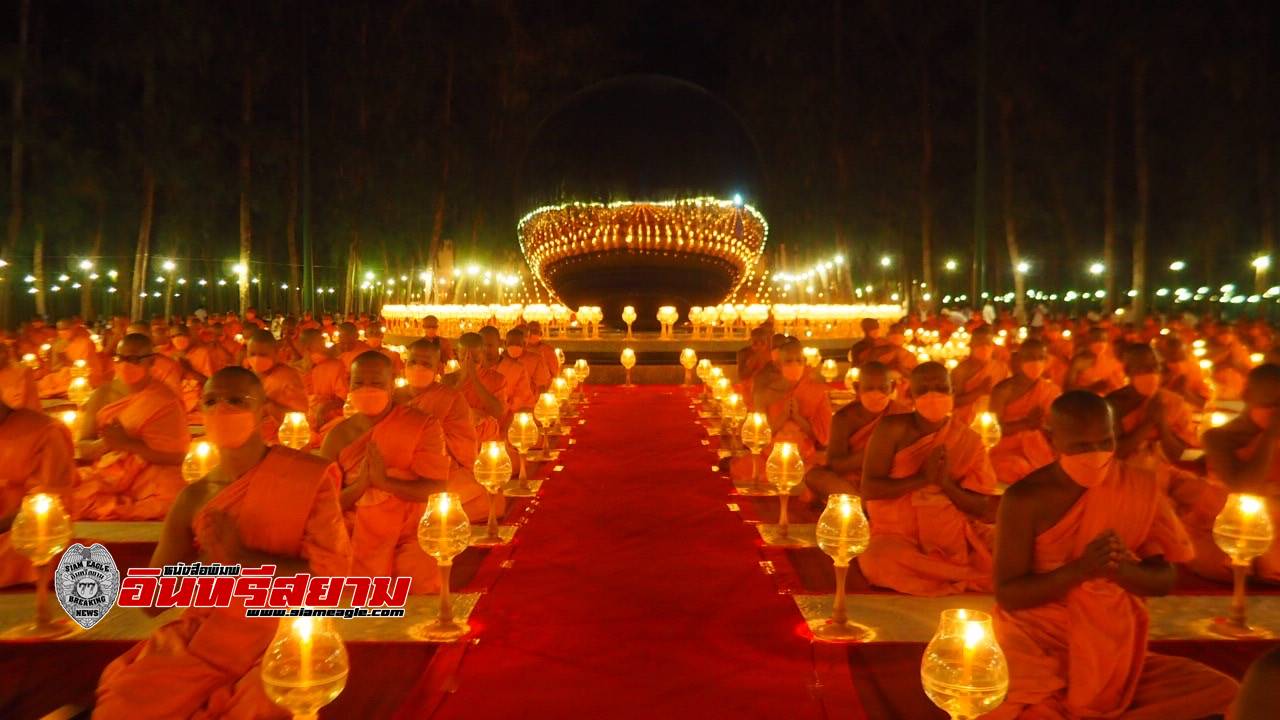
(138, 131)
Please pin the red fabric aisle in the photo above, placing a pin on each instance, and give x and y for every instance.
(635, 592)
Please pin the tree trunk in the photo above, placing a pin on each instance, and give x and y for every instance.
(15, 164)
(141, 255)
(246, 176)
(37, 270)
(291, 230)
(1010, 225)
(1144, 189)
(1266, 185)
(437, 224)
(1109, 196)
(926, 171)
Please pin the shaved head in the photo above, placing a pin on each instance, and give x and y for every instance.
(1262, 386)
(424, 352)
(1139, 358)
(470, 341)
(874, 377)
(234, 381)
(1080, 421)
(930, 377)
(135, 344)
(515, 336)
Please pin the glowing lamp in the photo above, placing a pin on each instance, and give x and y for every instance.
(628, 360)
(629, 316)
(523, 435)
(306, 665)
(843, 533)
(79, 391)
(200, 460)
(812, 357)
(784, 470)
(443, 533)
(295, 431)
(988, 428)
(964, 671)
(851, 379)
(830, 370)
(41, 530)
(1243, 531)
(492, 470)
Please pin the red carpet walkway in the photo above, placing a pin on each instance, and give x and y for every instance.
(634, 591)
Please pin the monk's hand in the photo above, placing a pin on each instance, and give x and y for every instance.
(114, 436)
(1098, 557)
(375, 468)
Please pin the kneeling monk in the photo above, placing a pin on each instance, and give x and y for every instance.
(35, 456)
(388, 459)
(134, 428)
(1021, 404)
(1080, 542)
(851, 428)
(424, 391)
(928, 486)
(283, 384)
(260, 506)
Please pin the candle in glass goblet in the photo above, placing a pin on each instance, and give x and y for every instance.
(629, 316)
(688, 360)
(305, 667)
(703, 370)
(31, 361)
(452, 366)
(721, 389)
(295, 431)
(41, 530)
(79, 369)
(628, 360)
(523, 435)
(830, 370)
(547, 411)
(79, 391)
(570, 376)
(443, 533)
(200, 459)
(851, 379)
(71, 419)
(842, 533)
(1243, 531)
(582, 367)
(963, 670)
(560, 388)
(492, 470)
(812, 357)
(784, 470)
(988, 428)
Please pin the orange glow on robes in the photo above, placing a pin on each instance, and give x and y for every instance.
(450, 409)
(384, 528)
(922, 544)
(487, 427)
(1085, 655)
(812, 403)
(79, 347)
(123, 486)
(1017, 454)
(18, 387)
(1199, 510)
(36, 453)
(1105, 367)
(326, 386)
(993, 370)
(206, 663)
(519, 386)
(287, 393)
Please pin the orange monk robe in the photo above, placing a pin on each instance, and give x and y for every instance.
(548, 355)
(207, 661)
(921, 544)
(123, 486)
(994, 371)
(519, 387)
(350, 356)
(286, 393)
(1188, 377)
(1198, 510)
(326, 386)
(1149, 453)
(539, 372)
(36, 452)
(384, 528)
(208, 358)
(1085, 655)
(18, 387)
(168, 371)
(1017, 454)
(1105, 367)
(450, 409)
(858, 440)
(79, 347)
(487, 427)
(812, 403)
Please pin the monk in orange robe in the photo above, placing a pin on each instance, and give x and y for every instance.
(797, 406)
(207, 356)
(373, 337)
(388, 459)
(36, 455)
(976, 376)
(72, 345)
(192, 382)
(349, 344)
(1242, 457)
(424, 391)
(325, 380)
(1020, 404)
(1182, 374)
(1258, 697)
(431, 331)
(851, 428)
(534, 344)
(17, 383)
(1155, 424)
(163, 368)
(1081, 542)
(533, 363)
(260, 506)
(752, 359)
(1095, 368)
(928, 487)
(859, 354)
(520, 397)
(283, 384)
(485, 390)
(134, 430)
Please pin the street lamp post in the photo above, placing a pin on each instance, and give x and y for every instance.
(168, 266)
(1261, 264)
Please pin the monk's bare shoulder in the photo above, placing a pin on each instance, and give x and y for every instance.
(896, 425)
(315, 461)
(1230, 437)
(1028, 491)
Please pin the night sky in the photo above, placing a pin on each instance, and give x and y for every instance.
(864, 113)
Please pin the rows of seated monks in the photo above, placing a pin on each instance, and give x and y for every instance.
(1083, 507)
(349, 504)
(1097, 508)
